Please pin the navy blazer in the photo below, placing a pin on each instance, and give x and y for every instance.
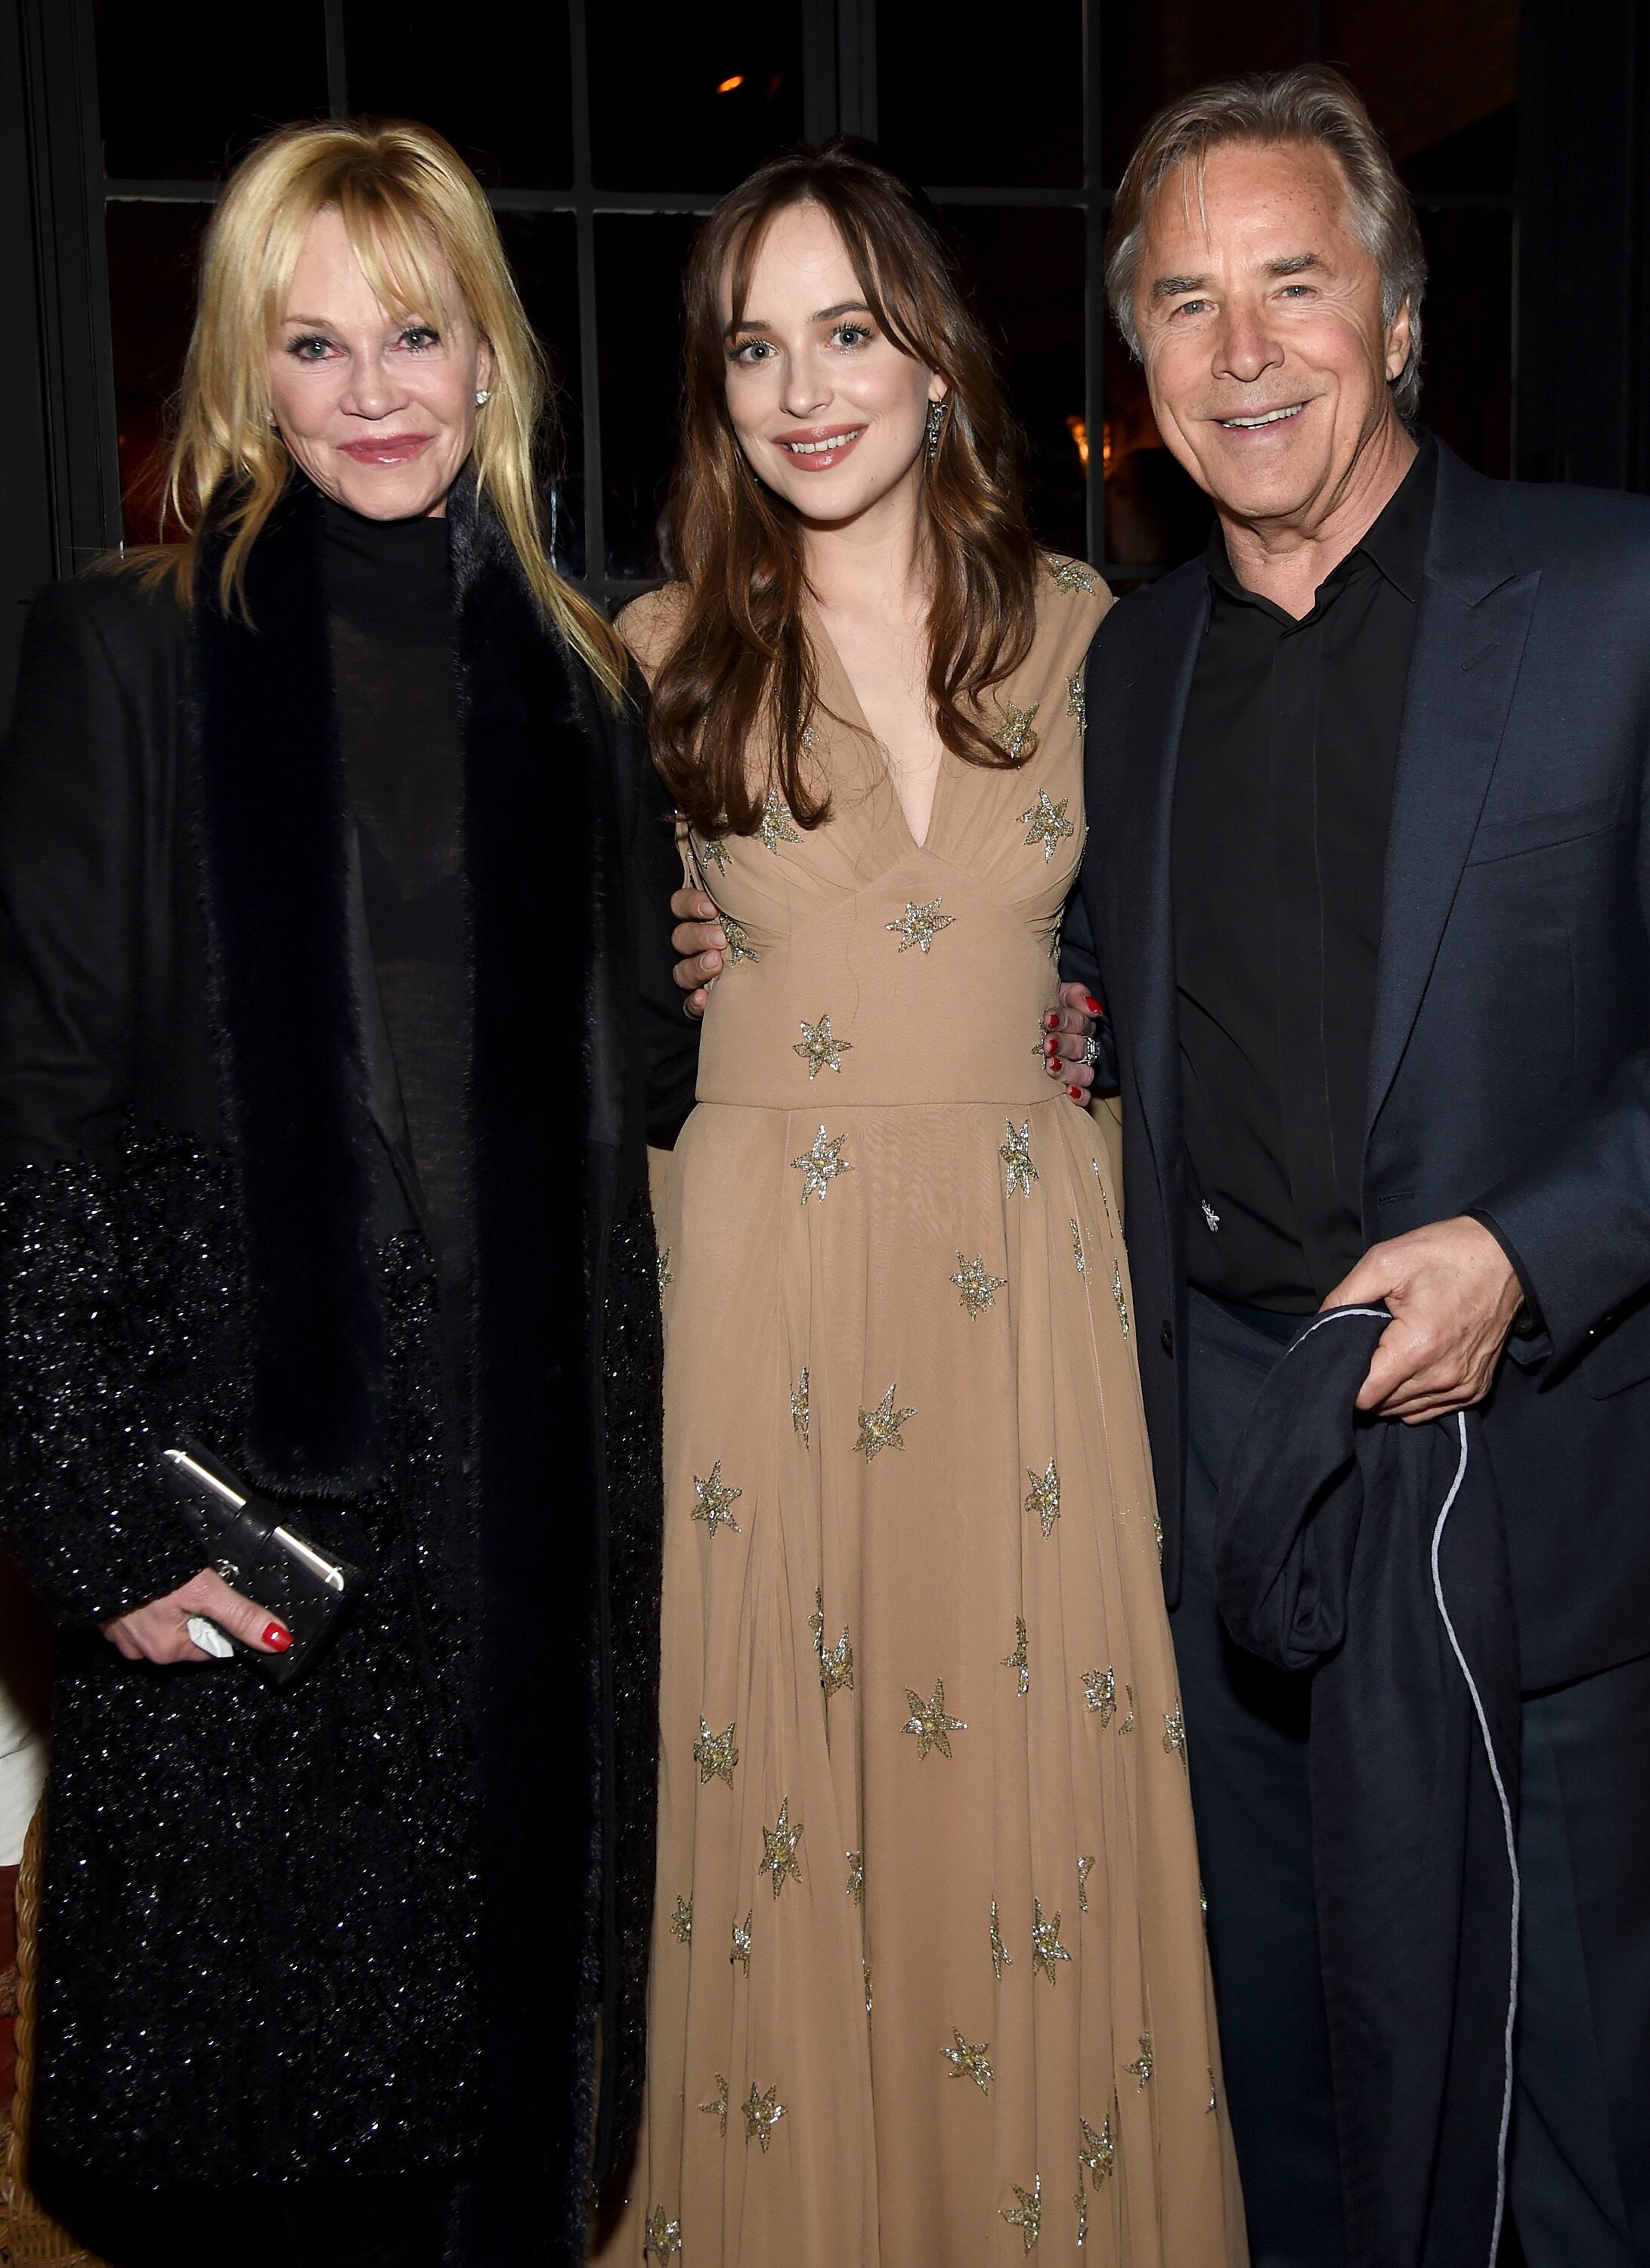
(1510, 1059)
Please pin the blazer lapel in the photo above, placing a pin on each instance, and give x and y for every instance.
(1133, 760)
(1473, 619)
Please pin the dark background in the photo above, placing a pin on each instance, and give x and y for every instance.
(602, 131)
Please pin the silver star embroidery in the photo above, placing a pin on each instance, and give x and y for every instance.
(1020, 1659)
(1097, 2154)
(1079, 2200)
(1157, 1532)
(711, 851)
(1212, 2104)
(1141, 2067)
(1127, 1725)
(776, 826)
(879, 1428)
(1076, 1250)
(763, 2113)
(681, 1921)
(778, 1849)
(1047, 823)
(1099, 1690)
(1173, 1732)
(1211, 1216)
(929, 1722)
(820, 1164)
(1100, 1182)
(979, 1288)
(741, 1945)
(864, 1973)
(1116, 1293)
(1072, 574)
(1026, 2216)
(970, 2059)
(818, 1049)
(816, 1622)
(1019, 1173)
(666, 1279)
(1001, 1958)
(1076, 705)
(857, 1877)
(1018, 739)
(716, 2107)
(1044, 1499)
(663, 2236)
(1046, 1948)
(1085, 1868)
(919, 925)
(799, 1408)
(836, 1667)
(716, 1500)
(715, 1754)
(739, 945)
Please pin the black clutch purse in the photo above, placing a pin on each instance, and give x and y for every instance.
(245, 1538)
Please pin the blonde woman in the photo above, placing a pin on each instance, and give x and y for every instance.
(303, 1156)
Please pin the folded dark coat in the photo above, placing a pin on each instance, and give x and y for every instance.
(1371, 1554)
(272, 1918)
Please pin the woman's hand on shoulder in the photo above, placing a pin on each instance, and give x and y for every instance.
(161, 1631)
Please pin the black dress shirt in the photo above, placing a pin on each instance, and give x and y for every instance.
(1282, 800)
(395, 686)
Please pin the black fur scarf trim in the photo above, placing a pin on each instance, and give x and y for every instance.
(275, 857)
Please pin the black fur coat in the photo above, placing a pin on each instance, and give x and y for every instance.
(375, 1923)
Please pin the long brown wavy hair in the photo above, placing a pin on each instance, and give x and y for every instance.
(740, 672)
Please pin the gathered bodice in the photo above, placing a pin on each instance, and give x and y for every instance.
(866, 968)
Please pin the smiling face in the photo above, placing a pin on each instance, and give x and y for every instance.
(378, 406)
(1259, 317)
(829, 411)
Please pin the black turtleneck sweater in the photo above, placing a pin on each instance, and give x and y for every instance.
(395, 688)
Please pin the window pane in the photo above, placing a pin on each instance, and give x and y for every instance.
(182, 95)
(696, 97)
(512, 124)
(1467, 339)
(152, 253)
(639, 329)
(1441, 78)
(1153, 50)
(1027, 269)
(944, 116)
(544, 254)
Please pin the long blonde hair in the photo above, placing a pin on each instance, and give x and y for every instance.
(409, 203)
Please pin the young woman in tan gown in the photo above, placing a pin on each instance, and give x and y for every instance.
(929, 1986)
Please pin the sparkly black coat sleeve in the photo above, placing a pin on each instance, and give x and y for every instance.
(84, 827)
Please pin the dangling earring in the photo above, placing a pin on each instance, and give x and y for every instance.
(935, 426)
(480, 395)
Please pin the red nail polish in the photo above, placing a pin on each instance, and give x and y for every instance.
(1051, 1022)
(278, 1636)
(1076, 1093)
(1094, 1008)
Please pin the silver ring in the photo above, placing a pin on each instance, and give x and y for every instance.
(1091, 1050)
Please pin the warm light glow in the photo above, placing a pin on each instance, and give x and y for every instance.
(1106, 449)
(728, 85)
(1078, 428)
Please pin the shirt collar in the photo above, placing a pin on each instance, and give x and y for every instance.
(1395, 544)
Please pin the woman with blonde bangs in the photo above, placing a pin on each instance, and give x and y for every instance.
(929, 1987)
(305, 1160)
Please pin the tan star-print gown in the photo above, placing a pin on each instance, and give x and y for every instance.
(929, 1986)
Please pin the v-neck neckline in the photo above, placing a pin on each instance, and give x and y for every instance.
(855, 717)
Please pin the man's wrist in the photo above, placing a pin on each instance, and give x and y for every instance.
(1528, 1323)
